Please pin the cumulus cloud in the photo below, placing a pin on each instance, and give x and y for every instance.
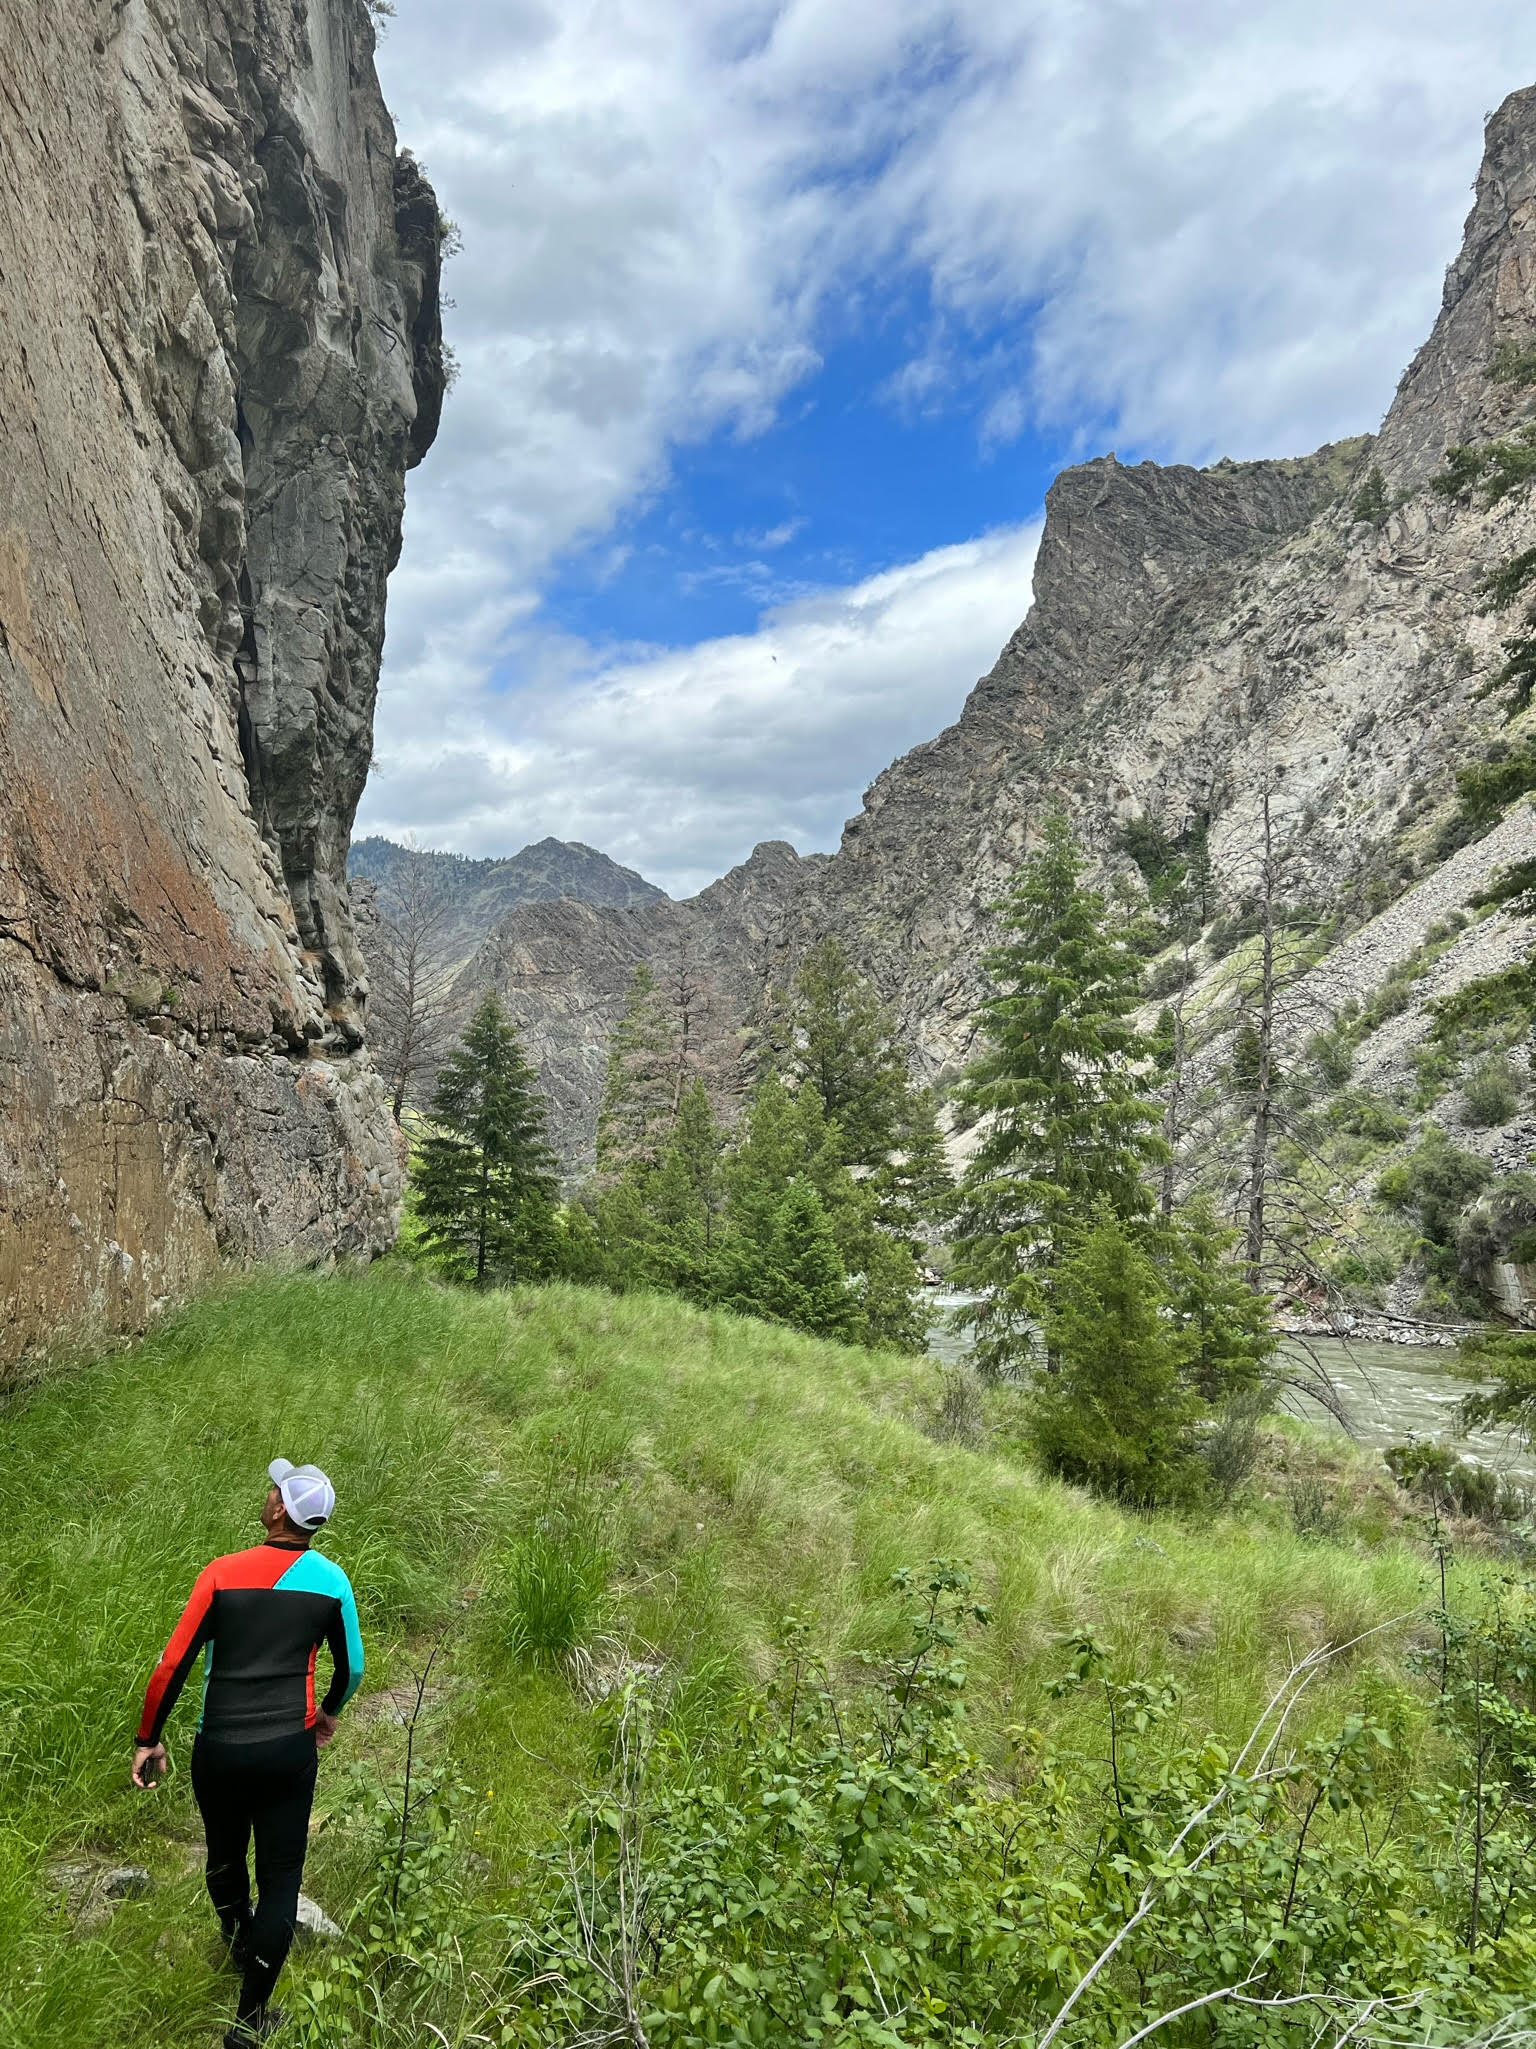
(678, 762)
(1219, 229)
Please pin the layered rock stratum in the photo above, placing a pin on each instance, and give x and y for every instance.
(220, 352)
(1194, 636)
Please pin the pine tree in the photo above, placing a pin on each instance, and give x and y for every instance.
(1116, 1415)
(841, 1040)
(795, 1274)
(788, 1141)
(914, 1187)
(483, 1178)
(784, 1136)
(685, 1199)
(638, 1107)
(1069, 1121)
(1224, 1323)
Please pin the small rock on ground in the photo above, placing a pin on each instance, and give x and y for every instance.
(315, 1922)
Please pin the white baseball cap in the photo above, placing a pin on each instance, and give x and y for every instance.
(308, 1495)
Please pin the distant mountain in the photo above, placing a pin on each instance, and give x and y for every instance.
(476, 895)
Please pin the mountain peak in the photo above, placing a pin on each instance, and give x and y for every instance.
(1450, 392)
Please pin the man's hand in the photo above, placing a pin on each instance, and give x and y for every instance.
(325, 1728)
(149, 1763)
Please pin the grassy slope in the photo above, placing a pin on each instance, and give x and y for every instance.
(737, 1471)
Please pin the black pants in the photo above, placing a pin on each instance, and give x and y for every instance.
(265, 1789)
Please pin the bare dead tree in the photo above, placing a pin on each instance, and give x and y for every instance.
(1259, 1137)
(410, 1021)
(703, 1045)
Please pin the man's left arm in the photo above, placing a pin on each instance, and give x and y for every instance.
(344, 1639)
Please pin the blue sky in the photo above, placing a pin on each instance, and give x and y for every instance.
(775, 318)
(847, 480)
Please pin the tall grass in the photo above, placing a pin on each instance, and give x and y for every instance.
(514, 1473)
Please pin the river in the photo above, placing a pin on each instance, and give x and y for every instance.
(1389, 1392)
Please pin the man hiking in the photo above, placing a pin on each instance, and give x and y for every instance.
(262, 1616)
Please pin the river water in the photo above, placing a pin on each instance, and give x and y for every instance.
(1393, 1391)
(1389, 1393)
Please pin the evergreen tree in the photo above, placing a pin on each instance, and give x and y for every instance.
(661, 1226)
(914, 1187)
(787, 1141)
(785, 1136)
(686, 1200)
(893, 1317)
(483, 1177)
(841, 1041)
(1116, 1415)
(1224, 1322)
(638, 1107)
(795, 1274)
(1069, 1122)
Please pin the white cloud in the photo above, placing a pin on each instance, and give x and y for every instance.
(1227, 226)
(678, 762)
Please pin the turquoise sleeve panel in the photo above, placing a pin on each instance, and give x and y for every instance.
(312, 1573)
(354, 1639)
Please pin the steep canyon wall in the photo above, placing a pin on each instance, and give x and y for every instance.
(1194, 635)
(219, 354)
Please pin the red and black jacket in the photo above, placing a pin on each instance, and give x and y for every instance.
(262, 1616)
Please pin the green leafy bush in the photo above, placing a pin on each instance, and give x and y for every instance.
(1333, 1056)
(1437, 1475)
(1490, 1094)
(843, 1869)
(1168, 977)
(1365, 1115)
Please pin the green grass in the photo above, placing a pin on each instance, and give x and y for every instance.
(517, 1472)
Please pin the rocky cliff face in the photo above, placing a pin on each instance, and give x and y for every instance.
(219, 354)
(1193, 635)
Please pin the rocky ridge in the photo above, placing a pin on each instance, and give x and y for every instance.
(563, 968)
(219, 353)
(469, 898)
(1195, 635)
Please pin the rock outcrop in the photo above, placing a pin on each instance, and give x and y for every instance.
(467, 899)
(219, 353)
(1194, 636)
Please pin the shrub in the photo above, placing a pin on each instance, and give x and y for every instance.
(1168, 977)
(1437, 1180)
(1490, 1094)
(1434, 1473)
(1232, 1446)
(1498, 1002)
(1333, 1057)
(845, 1870)
(1315, 1510)
(1365, 1115)
(1390, 1000)
(961, 1417)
